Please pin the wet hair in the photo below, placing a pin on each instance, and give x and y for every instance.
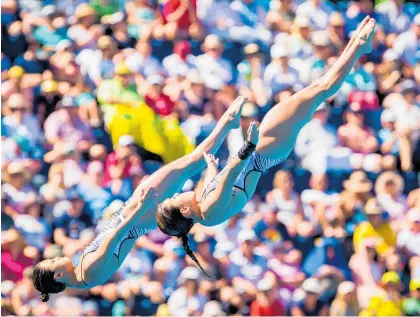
(45, 283)
(171, 222)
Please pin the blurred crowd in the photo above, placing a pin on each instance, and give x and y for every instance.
(99, 94)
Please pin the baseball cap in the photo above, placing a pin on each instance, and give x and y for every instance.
(49, 85)
(126, 140)
(388, 116)
(62, 45)
(155, 79)
(122, 69)
(246, 235)
(72, 194)
(15, 72)
(265, 285)
(346, 288)
(415, 284)
(278, 51)
(407, 85)
(67, 102)
(312, 285)
(252, 49)
(417, 19)
(320, 38)
(390, 278)
(249, 110)
(190, 273)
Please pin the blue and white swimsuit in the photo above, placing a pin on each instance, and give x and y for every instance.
(116, 219)
(256, 163)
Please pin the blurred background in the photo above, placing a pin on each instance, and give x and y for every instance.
(99, 94)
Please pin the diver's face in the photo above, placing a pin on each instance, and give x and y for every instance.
(61, 266)
(187, 204)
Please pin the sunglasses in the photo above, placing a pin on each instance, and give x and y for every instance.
(17, 109)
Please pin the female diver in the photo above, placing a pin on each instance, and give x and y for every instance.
(104, 255)
(227, 193)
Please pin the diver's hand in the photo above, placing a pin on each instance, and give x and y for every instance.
(233, 114)
(253, 133)
(211, 160)
(148, 198)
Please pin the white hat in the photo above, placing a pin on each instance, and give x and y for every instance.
(312, 285)
(265, 285)
(346, 288)
(115, 18)
(417, 19)
(190, 273)
(246, 235)
(62, 45)
(302, 22)
(213, 309)
(194, 77)
(278, 51)
(413, 215)
(126, 140)
(155, 79)
(171, 245)
(388, 116)
(212, 41)
(390, 55)
(320, 38)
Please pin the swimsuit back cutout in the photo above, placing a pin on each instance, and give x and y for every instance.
(133, 234)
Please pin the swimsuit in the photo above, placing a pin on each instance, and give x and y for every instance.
(114, 222)
(256, 163)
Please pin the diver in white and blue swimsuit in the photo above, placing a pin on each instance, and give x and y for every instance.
(226, 193)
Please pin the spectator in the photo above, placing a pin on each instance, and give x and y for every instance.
(409, 237)
(355, 135)
(17, 190)
(345, 303)
(281, 15)
(54, 29)
(144, 20)
(181, 56)
(16, 85)
(389, 187)
(406, 46)
(310, 305)
(215, 70)
(156, 99)
(317, 11)
(245, 264)
(300, 41)
(20, 122)
(30, 60)
(186, 301)
(266, 303)
(317, 142)
(278, 75)
(65, 125)
(318, 63)
(47, 101)
(394, 12)
(375, 227)
(336, 31)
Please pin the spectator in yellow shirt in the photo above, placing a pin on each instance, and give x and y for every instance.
(375, 227)
(388, 302)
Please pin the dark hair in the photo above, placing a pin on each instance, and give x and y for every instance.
(171, 222)
(45, 283)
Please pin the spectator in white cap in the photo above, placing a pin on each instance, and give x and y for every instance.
(118, 163)
(409, 237)
(214, 69)
(345, 303)
(245, 263)
(141, 60)
(406, 45)
(321, 52)
(278, 75)
(266, 303)
(186, 301)
(394, 11)
(389, 72)
(317, 11)
(213, 309)
(336, 31)
(317, 142)
(387, 135)
(20, 123)
(281, 15)
(156, 98)
(299, 42)
(65, 125)
(310, 305)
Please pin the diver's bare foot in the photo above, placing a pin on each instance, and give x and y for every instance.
(365, 36)
(233, 114)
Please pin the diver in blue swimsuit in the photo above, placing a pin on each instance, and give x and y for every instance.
(104, 255)
(226, 193)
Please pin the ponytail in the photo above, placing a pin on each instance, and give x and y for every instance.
(191, 254)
